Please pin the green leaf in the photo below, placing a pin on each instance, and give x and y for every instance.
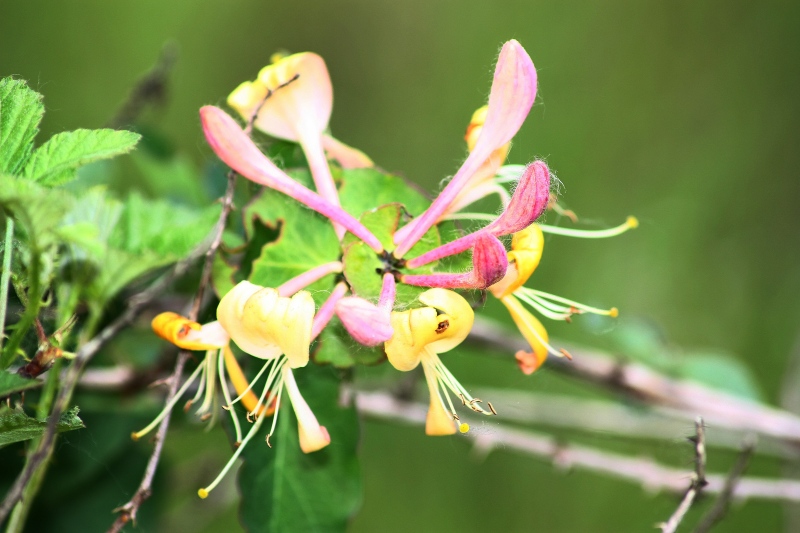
(39, 210)
(13, 383)
(133, 237)
(363, 189)
(21, 111)
(722, 372)
(362, 265)
(54, 162)
(284, 489)
(16, 426)
(336, 347)
(175, 178)
(305, 240)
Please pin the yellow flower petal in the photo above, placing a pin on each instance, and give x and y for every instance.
(424, 328)
(240, 384)
(528, 325)
(438, 421)
(526, 253)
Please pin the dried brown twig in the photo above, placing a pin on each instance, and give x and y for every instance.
(646, 472)
(718, 409)
(723, 503)
(698, 480)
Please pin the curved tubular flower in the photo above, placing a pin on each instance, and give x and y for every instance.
(345, 155)
(510, 100)
(267, 325)
(419, 336)
(489, 264)
(267, 317)
(367, 323)
(525, 255)
(527, 204)
(305, 279)
(482, 182)
(189, 335)
(299, 112)
(239, 152)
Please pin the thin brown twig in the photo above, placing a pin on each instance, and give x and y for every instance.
(128, 511)
(135, 305)
(646, 472)
(723, 503)
(698, 480)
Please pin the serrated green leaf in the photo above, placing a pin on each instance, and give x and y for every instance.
(38, 209)
(284, 489)
(336, 347)
(305, 240)
(21, 111)
(363, 189)
(722, 372)
(362, 265)
(13, 383)
(133, 237)
(16, 426)
(54, 162)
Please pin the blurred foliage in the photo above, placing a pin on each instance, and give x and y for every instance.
(682, 113)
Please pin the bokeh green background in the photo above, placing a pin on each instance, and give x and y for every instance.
(682, 113)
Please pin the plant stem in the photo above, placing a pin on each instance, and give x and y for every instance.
(34, 302)
(19, 515)
(6, 277)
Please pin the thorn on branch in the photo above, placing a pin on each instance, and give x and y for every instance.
(698, 479)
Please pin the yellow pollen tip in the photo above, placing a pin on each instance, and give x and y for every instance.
(632, 222)
(613, 312)
(203, 493)
(463, 427)
(134, 436)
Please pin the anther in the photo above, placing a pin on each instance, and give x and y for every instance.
(491, 408)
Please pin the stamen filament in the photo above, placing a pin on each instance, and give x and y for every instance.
(227, 396)
(630, 223)
(457, 388)
(275, 416)
(250, 385)
(613, 312)
(203, 493)
(200, 388)
(554, 314)
(169, 405)
(211, 377)
(276, 369)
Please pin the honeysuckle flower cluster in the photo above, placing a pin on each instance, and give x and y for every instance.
(292, 99)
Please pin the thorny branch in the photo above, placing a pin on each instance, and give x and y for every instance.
(128, 511)
(698, 480)
(646, 472)
(718, 409)
(723, 503)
